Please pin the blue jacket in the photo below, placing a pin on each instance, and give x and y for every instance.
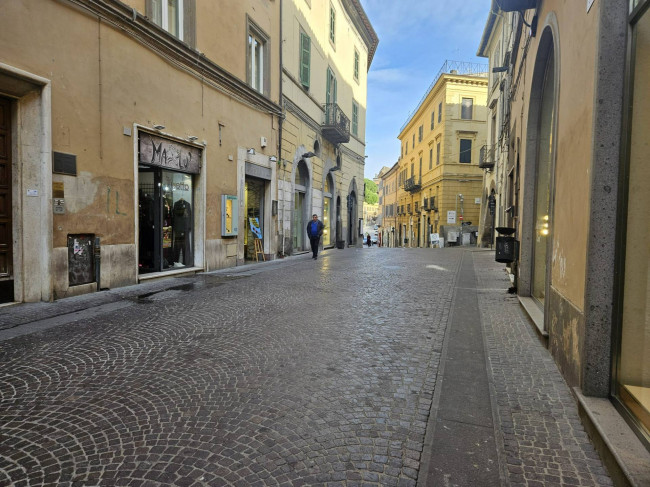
(319, 232)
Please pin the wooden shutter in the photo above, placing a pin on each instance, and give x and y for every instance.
(305, 59)
(189, 22)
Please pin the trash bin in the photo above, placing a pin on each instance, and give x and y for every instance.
(505, 249)
(340, 244)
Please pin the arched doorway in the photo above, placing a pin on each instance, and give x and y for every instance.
(339, 223)
(540, 167)
(328, 190)
(352, 218)
(300, 207)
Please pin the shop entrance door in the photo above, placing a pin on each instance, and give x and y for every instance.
(254, 202)
(6, 224)
(165, 220)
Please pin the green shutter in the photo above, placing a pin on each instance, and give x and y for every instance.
(305, 59)
(328, 87)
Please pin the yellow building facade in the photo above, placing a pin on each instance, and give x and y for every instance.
(326, 53)
(388, 188)
(438, 178)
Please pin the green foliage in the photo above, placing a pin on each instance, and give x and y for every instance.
(371, 196)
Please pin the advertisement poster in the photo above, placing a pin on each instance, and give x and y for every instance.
(255, 227)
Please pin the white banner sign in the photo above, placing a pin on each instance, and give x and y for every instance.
(451, 217)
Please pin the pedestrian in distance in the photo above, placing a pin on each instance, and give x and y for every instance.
(314, 231)
(368, 241)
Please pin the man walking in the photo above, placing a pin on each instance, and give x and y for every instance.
(314, 231)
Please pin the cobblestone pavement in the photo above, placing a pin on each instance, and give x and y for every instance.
(306, 373)
(544, 442)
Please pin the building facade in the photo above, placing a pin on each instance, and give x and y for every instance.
(497, 201)
(134, 144)
(327, 51)
(439, 179)
(388, 205)
(575, 149)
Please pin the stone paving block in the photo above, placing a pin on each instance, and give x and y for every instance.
(192, 382)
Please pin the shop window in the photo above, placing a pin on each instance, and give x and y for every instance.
(632, 364)
(166, 220)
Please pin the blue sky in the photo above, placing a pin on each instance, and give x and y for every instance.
(416, 37)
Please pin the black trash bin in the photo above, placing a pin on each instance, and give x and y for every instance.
(505, 249)
(340, 244)
(505, 245)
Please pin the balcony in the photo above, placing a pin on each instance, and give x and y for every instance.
(411, 185)
(336, 126)
(487, 157)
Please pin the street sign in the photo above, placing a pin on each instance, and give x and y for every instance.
(451, 217)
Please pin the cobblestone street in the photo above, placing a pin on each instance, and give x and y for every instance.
(300, 372)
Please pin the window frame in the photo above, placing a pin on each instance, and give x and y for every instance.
(463, 151)
(464, 109)
(254, 31)
(354, 125)
(355, 68)
(440, 112)
(305, 83)
(332, 35)
(186, 18)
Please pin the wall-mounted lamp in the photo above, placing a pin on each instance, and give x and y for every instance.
(307, 155)
(251, 151)
(159, 127)
(192, 137)
(273, 159)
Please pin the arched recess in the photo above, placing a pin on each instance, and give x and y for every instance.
(537, 224)
(301, 205)
(353, 212)
(329, 218)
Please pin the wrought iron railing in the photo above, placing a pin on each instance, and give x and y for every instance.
(487, 156)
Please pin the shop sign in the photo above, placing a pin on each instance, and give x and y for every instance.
(168, 154)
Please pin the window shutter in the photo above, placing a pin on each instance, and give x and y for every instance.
(305, 59)
(189, 22)
(328, 87)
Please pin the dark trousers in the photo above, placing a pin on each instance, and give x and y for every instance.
(314, 245)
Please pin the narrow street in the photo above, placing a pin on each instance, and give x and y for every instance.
(395, 367)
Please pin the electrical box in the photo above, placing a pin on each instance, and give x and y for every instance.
(263, 142)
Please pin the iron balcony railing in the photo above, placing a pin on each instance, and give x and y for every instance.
(486, 158)
(336, 126)
(412, 185)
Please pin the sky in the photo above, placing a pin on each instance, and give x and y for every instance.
(416, 37)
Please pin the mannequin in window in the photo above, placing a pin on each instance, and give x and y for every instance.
(182, 232)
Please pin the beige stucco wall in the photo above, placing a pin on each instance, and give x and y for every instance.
(104, 83)
(573, 158)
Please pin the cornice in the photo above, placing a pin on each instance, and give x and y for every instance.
(137, 26)
(363, 25)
